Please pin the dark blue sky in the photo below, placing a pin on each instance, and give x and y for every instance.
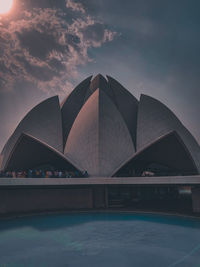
(150, 46)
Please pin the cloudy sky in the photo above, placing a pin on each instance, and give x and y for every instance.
(151, 46)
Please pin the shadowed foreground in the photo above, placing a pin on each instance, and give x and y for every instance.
(100, 240)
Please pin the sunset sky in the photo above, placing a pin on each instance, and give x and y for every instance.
(150, 46)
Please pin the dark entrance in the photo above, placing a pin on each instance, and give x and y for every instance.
(150, 198)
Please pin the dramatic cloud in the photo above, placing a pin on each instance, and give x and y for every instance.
(45, 46)
(75, 6)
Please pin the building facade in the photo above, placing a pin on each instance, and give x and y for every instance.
(103, 129)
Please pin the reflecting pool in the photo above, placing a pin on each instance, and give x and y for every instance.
(100, 239)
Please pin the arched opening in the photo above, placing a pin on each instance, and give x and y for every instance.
(167, 156)
(30, 154)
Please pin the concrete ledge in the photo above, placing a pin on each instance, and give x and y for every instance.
(172, 180)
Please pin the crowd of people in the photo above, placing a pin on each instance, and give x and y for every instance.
(43, 174)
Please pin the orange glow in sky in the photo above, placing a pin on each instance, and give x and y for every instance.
(5, 6)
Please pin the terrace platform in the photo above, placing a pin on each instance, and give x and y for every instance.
(164, 180)
(29, 195)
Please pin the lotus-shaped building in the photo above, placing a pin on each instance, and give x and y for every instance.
(103, 129)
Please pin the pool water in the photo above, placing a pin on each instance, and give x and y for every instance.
(100, 239)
